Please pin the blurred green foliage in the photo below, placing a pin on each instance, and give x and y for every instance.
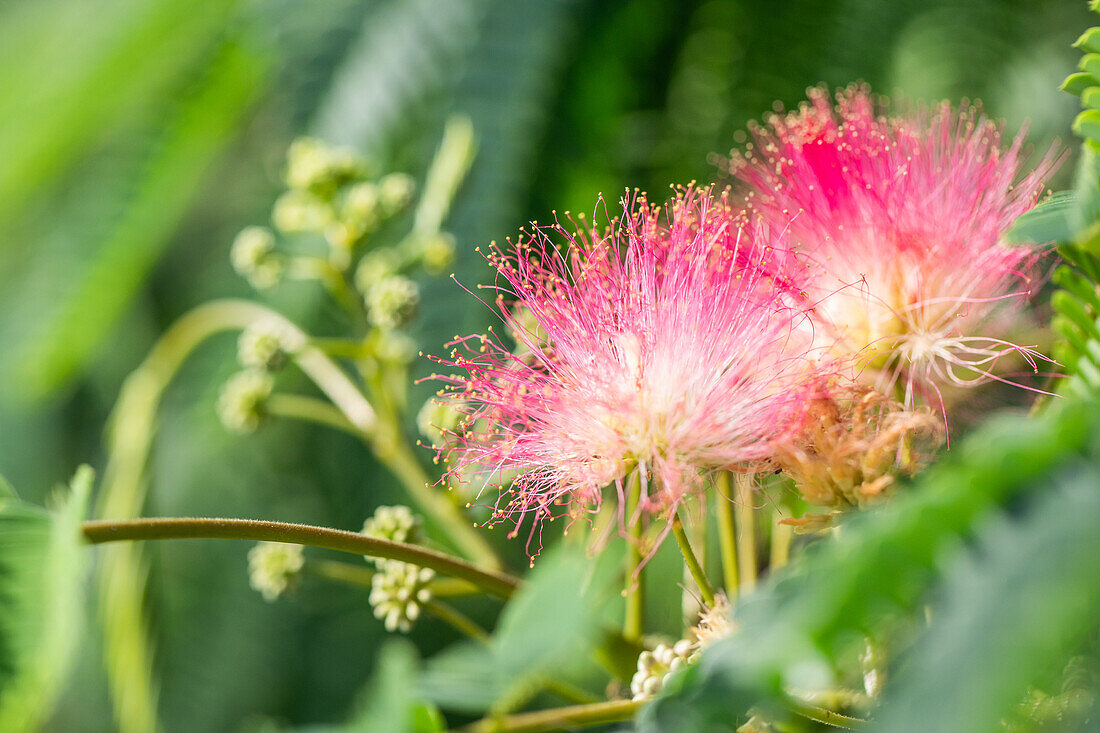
(137, 137)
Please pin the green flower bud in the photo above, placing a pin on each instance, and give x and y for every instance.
(654, 667)
(375, 267)
(361, 206)
(437, 417)
(395, 192)
(242, 399)
(266, 345)
(392, 301)
(274, 567)
(301, 211)
(313, 164)
(438, 252)
(253, 257)
(392, 523)
(394, 347)
(398, 592)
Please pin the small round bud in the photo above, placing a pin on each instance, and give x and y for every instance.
(266, 345)
(395, 191)
(392, 523)
(394, 347)
(301, 211)
(525, 330)
(361, 206)
(274, 567)
(242, 400)
(398, 592)
(436, 418)
(253, 257)
(313, 164)
(655, 667)
(375, 267)
(392, 301)
(438, 252)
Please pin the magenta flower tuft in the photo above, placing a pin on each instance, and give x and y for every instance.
(900, 222)
(658, 341)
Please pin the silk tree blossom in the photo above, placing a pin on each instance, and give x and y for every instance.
(901, 223)
(655, 342)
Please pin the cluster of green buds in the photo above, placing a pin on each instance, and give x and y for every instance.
(267, 345)
(655, 667)
(393, 524)
(399, 592)
(274, 568)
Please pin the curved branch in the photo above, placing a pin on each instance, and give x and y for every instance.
(163, 528)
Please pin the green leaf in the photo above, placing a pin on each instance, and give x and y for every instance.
(7, 492)
(1087, 125)
(1089, 41)
(41, 573)
(1049, 222)
(882, 567)
(1090, 64)
(390, 705)
(72, 327)
(1076, 84)
(1023, 600)
(547, 626)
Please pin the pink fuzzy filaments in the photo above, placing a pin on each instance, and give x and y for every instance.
(900, 222)
(657, 342)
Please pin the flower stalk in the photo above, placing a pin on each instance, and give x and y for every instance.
(634, 620)
(692, 562)
(727, 533)
(163, 528)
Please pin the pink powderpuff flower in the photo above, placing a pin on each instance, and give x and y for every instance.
(900, 224)
(656, 342)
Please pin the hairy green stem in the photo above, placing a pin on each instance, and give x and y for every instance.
(727, 533)
(456, 620)
(746, 537)
(692, 562)
(573, 716)
(634, 590)
(163, 528)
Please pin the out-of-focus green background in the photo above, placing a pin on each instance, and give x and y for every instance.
(138, 136)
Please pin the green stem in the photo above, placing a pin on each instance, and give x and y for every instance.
(634, 618)
(163, 528)
(120, 577)
(692, 562)
(781, 544)
(569, 693)
(827, 717)
(456, 619)
(341, 572)
(727, 533)
(746, 537)
(300, 407)
(574, 716)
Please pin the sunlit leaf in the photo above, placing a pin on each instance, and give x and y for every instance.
(42, 560)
